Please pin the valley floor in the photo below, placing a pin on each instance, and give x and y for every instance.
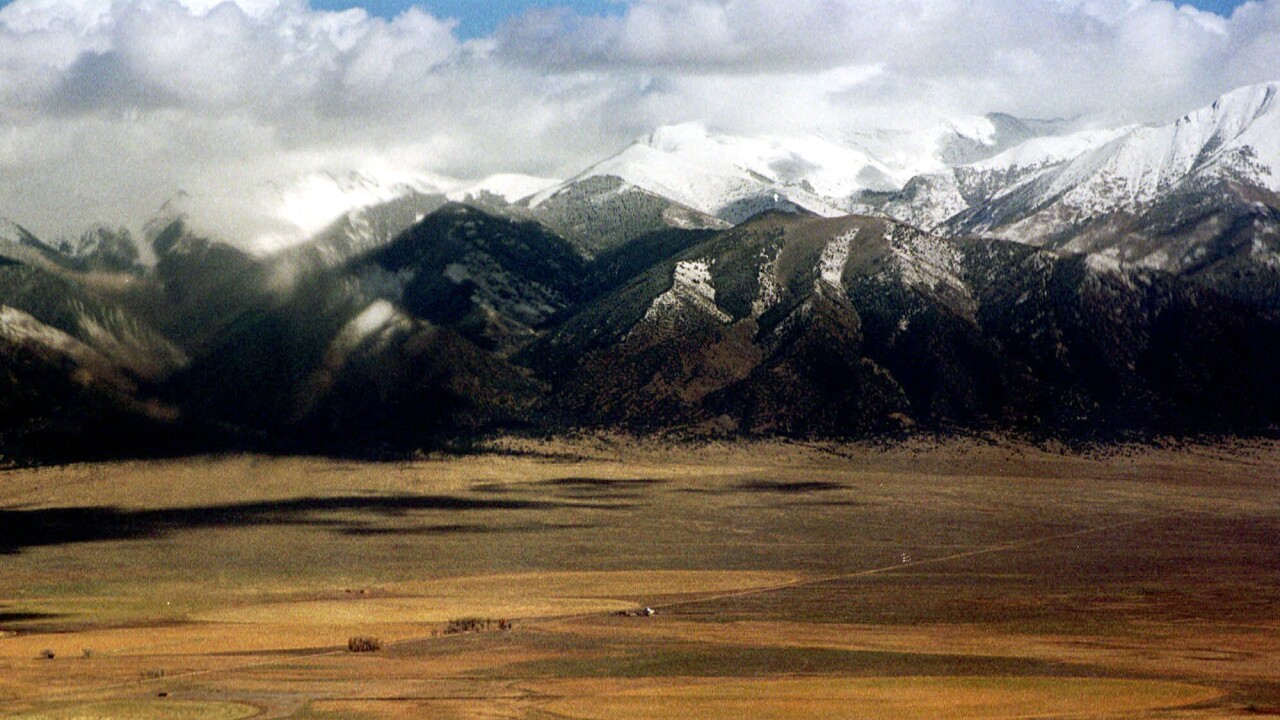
(957, 580)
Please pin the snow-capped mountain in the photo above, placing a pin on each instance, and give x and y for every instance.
(930, 199)
(98, 249)
(1198, 195)
(733, 177)
(1235, 139)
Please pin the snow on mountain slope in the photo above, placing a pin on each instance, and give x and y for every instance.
(600, 213)
(131, 346)
(376, 325)
(1238, 137)
(926, 262)
(1201, 194)
(812, 164)
(1049, 150)
(357, 232)
(691, 289)
(770, 289)
(734, 178)
(929, 200)
(22, 329)
(731, 177)
(1197, 195)
(834, 257)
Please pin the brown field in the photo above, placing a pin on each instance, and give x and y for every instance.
(958, 580)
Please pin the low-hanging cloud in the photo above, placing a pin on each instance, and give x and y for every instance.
(109, 107)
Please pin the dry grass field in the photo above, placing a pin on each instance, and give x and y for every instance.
(953, 580)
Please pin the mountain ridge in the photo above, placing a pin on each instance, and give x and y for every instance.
(601, 304)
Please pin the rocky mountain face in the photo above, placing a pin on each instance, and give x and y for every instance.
(602, 213)
(1038, 279)
(852, 325)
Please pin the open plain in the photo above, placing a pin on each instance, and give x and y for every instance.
(963, 579)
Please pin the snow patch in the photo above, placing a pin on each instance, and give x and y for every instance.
(924, 261)
(770, 290)
(1104, 263)
(1263, 252)
(379, 314)
(834, 257)
(24, 329)
(130, 346)
(20, 327)
(691, 288)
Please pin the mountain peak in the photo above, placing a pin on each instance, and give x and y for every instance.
(1259, 96)
(1230, 115)
(671, 138)
(12, 232)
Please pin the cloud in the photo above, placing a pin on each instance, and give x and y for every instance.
(108, 107)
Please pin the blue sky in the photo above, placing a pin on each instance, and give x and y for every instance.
(476, 17)
(1222, 7)
(480, 17)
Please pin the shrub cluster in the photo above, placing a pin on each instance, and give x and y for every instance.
(469, 625)
(359, 644)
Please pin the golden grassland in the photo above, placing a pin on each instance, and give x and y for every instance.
(955, 579)
(867, 698)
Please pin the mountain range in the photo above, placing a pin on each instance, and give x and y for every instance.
(993, 273)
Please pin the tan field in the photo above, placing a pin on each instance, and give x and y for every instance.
(958, 580)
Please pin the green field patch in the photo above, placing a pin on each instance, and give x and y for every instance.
(409, 610)
(730, 661)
